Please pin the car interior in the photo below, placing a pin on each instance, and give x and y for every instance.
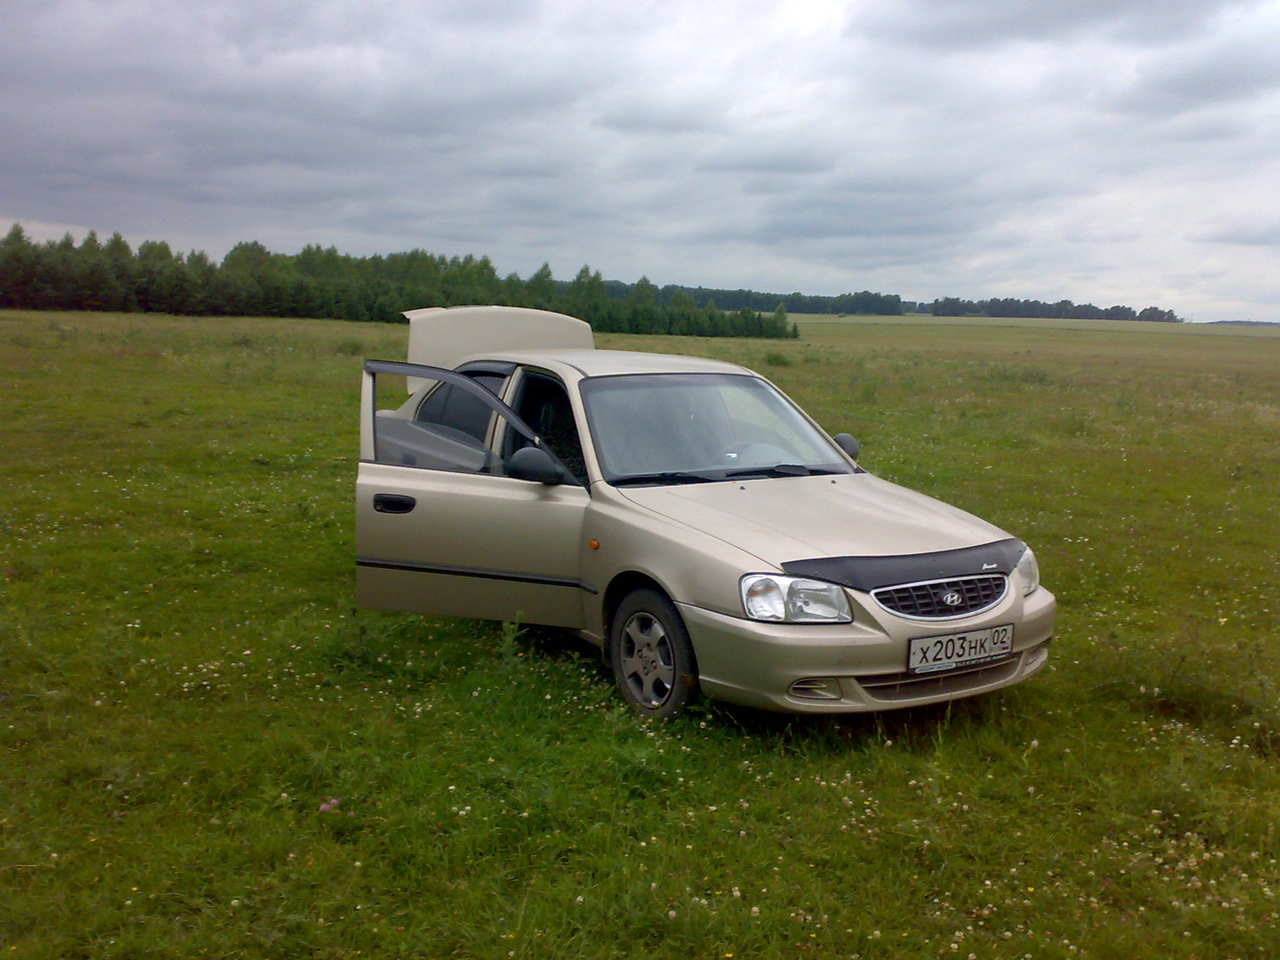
(543, 404)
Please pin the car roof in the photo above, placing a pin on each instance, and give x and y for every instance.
(603, 363)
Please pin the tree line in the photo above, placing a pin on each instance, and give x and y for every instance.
(1062, 309)
(321, 282)
(846, 303)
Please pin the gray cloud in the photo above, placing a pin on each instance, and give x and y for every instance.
(1232, 68)
(986, 23)
(647, 117)
(1112, 151)
(1253, 235)
(739, 158)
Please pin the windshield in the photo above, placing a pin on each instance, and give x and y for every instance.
(692, 427)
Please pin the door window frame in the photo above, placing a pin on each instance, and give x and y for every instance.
(507, 417)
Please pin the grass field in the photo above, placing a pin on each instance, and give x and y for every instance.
(206, 752)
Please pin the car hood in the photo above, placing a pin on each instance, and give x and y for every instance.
(791, 518)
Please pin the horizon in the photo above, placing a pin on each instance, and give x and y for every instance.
(52, 233)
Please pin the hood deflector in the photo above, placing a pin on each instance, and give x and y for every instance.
(870, 573)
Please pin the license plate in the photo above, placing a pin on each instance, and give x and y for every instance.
(953, 650)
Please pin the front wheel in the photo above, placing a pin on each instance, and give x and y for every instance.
(651, 656)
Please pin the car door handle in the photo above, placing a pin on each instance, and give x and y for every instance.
(393, 503)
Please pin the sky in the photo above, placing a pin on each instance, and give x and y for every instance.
(1109, 151)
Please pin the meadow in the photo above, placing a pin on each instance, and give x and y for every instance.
(205, 751)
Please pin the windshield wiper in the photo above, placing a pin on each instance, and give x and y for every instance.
(667, 476)
(779, 470)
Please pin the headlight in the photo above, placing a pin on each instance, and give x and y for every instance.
(766, 596)
(1029, 570)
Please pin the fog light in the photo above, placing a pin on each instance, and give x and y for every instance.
(816, 688)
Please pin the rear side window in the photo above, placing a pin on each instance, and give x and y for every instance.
(455, 409)
(444, 430)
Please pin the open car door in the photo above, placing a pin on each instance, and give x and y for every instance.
(441, 528)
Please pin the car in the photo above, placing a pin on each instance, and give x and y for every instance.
(680, 513)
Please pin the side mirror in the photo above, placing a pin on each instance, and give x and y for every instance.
(534, 463)
(846, 443)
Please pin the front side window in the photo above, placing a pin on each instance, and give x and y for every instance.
(657, 428)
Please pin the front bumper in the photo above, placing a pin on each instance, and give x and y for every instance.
(862, 663)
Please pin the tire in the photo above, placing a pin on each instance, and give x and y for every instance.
(651, 657)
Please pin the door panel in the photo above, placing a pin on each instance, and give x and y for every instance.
(474, 544)
(479, 546)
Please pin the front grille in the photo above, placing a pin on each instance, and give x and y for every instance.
(928, 601)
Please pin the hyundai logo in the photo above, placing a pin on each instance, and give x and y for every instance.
(952, 598)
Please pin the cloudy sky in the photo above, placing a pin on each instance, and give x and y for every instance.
(1116, 151)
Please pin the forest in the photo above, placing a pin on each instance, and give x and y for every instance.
(1060, 310)
(322, 282)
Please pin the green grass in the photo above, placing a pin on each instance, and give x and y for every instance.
(184, 684)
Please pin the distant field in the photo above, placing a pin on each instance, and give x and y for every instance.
(184, 685)
(910, 319)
